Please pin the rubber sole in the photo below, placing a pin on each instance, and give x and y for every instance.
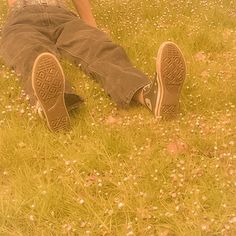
(48, 82)
(171, 73)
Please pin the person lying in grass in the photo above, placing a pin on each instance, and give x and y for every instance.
(37, 33)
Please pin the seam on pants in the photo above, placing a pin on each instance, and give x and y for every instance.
(89, 66)
(13, 58)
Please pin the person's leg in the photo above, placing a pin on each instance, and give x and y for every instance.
(138, 96)
(107, 62)
(102, 60)
(24, 37)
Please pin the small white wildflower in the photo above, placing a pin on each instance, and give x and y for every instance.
(233, 220)
(131, 233)
(227, 227)
(21, 144)
(204, 227)
(120, 205)
(81, 201)
(204, 198)
(67, 163)
(69, 228)
(149, 227)
(231, 143)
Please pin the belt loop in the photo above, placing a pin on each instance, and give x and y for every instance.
(23, 3)
(43, 2)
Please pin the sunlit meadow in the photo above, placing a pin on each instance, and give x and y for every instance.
(122, 172)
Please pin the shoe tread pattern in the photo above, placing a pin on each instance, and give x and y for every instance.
(169, 111)
(173, 67)
(48, 80)
(47, 73)
(59, 123)
(172, 74)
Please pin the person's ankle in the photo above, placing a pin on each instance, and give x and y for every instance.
(138, 96)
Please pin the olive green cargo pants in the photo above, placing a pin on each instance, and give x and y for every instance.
(38, 28)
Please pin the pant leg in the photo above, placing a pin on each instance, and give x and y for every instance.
(22, 41)
(101, 59)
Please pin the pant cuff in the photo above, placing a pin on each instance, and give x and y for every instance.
(132, 92)
(72, 101)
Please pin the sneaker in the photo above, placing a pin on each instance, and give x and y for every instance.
(48, 82)
(162, 95)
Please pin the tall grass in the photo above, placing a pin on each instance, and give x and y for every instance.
(122, 172)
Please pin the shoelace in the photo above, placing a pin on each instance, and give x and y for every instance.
(147, 87)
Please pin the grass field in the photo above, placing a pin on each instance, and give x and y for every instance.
(122, 172)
